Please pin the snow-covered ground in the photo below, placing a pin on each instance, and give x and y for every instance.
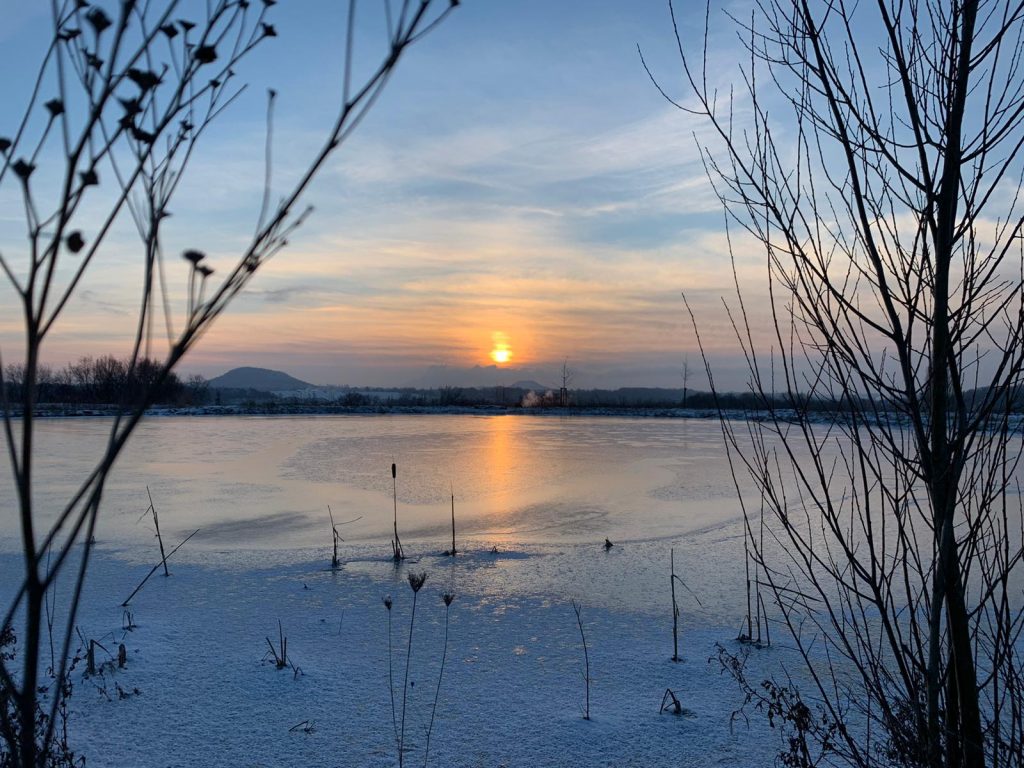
(512, 692)
(545, 491)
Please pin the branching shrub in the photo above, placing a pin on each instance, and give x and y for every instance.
(58, 753)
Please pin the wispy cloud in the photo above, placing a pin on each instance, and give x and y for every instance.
(544, 190)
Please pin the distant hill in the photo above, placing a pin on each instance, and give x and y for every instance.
(261, 379)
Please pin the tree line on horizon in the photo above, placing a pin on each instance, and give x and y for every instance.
(106, 380)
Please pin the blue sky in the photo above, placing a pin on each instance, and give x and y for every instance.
(520, 176)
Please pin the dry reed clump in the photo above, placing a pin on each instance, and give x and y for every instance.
(279, 655)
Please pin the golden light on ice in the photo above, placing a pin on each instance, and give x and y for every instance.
(501, 352)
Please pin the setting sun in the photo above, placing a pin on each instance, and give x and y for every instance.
(502, 352)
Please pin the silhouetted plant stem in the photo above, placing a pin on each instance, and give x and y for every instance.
(675, 606)
(391, 676)
(335, 562)
(156, 568)
(396, 545)
(746, 565)
(159, 538)
(336, 537)
(586, 659)
(453, 524)
(416, 583)
(448, 597)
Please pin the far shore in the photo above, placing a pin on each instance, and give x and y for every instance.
(77, 410)
(782, 415)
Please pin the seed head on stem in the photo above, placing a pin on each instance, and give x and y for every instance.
(416, 580)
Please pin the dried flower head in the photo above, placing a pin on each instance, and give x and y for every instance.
(75, 241)
(387, 602)
(194, 256)
(447, 597)
(146, 79)
(23, 168)
(205, 54)
(98, 19)
(416, 580)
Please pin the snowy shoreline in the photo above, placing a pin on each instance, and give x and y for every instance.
(511, 694)
(883, 419)
(58, 410)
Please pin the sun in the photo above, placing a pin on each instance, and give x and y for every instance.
(501, 352)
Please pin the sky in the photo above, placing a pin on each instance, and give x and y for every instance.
(520, 197)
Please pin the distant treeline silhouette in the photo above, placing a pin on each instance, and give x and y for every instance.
(105, 380)
(622, 398)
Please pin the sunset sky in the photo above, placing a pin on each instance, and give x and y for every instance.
(521, 195)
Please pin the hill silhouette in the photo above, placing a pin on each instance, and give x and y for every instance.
(260, 379)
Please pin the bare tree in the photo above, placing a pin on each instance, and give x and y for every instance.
(119, 103)
(874, 152)
(567, 377)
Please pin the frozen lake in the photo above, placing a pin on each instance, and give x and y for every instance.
(545, 491)
(259, 487)
(253, 482)
(535, 497)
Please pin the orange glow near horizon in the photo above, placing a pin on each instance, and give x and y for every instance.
(501, 353)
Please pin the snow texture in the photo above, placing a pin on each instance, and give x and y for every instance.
(511, 695)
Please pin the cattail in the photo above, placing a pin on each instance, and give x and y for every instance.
(396, 544)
